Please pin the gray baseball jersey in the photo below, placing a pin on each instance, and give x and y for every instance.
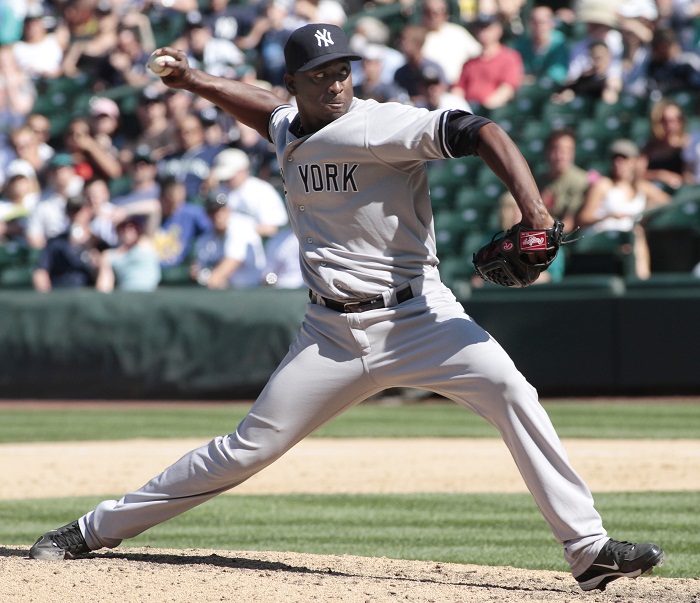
(358, 200)
(357, 195)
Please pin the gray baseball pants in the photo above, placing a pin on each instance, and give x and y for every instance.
(337, 361)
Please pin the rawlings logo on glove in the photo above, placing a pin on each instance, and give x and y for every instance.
(518, 257)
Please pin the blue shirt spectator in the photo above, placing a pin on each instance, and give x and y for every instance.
(192, 164)
(181, 224)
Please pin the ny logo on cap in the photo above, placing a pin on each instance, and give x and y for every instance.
(324, 37)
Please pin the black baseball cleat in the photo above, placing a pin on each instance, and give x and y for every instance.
(620, 560)
(66, 542)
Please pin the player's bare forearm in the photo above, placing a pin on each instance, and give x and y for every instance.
(249, 104)
(503, 157)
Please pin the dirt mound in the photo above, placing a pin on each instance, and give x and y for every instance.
(183, 576)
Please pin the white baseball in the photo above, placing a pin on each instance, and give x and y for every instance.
(159, 64)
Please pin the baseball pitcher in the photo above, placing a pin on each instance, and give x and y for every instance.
(378, 314)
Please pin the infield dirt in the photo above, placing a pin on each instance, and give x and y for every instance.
(318, 465)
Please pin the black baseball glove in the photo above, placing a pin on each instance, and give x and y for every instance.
(517, 258)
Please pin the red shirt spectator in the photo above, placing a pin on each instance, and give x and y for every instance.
(491, 79)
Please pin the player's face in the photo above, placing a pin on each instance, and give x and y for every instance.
(323, 94)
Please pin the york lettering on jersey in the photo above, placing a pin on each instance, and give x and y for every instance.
(329, 177)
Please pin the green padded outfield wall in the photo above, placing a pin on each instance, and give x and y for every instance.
(193, 343)
(173, 343)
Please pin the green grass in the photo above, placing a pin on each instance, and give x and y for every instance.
(585, 420)
(483, 529)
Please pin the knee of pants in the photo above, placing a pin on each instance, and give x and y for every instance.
(508, 394)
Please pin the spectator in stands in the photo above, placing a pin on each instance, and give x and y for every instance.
(213, 120)
(156, 131)
(12, 16)
(143, 195)
(372, 85)
(192, 163)
(24, 144)
(105, 121)
(91, 156)
(69, 260)
(409, 75)
(601, 26)
(49, 217)
(108, 214)
(283, 269)
(492, 79)
(89, 54)
(369, 30)
(509, 12)
(41, 126)
(563, 186)
(17, 92)
(670, 68)
(133, 265)
(127, 63)
(268, 37)
(434, 93)
(228, 20)
(39, 53)
(181, 224)
(543, 48)
(19, 198)
(79, 20)
(617, 202)
(204, 51)
(260, 151)
(691, 158)
(230, 255)
(446, 43)
(321, 11)
(179, 104)
(104, 213)
(246, 194)
(682, 16)
(636, 40)
(663, 152)
(595, 83)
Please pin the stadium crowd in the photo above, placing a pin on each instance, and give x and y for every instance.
(109, 179)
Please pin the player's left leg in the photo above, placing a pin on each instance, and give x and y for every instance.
(443, 350)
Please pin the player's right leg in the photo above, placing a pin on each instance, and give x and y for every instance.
(321, 376)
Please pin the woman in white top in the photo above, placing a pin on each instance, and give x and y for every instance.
(617, 202)
(39, 53)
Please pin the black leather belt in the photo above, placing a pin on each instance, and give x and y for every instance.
(403, 294)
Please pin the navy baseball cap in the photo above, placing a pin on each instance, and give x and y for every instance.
(315, 44)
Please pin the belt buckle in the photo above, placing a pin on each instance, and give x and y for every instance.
(362, 305)
(353, 306)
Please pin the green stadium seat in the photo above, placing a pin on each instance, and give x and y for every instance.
(476, 210)
(489, 185)
(454, 269)
(685, 99)
(177, 276)
(673, 233)
(625, 110)
(167, 26)
(510, 117)
(450, 229)
(532, 139)
(687, 192)
(567, 114)
(608, 252)
(640, 130)
(16, 277)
